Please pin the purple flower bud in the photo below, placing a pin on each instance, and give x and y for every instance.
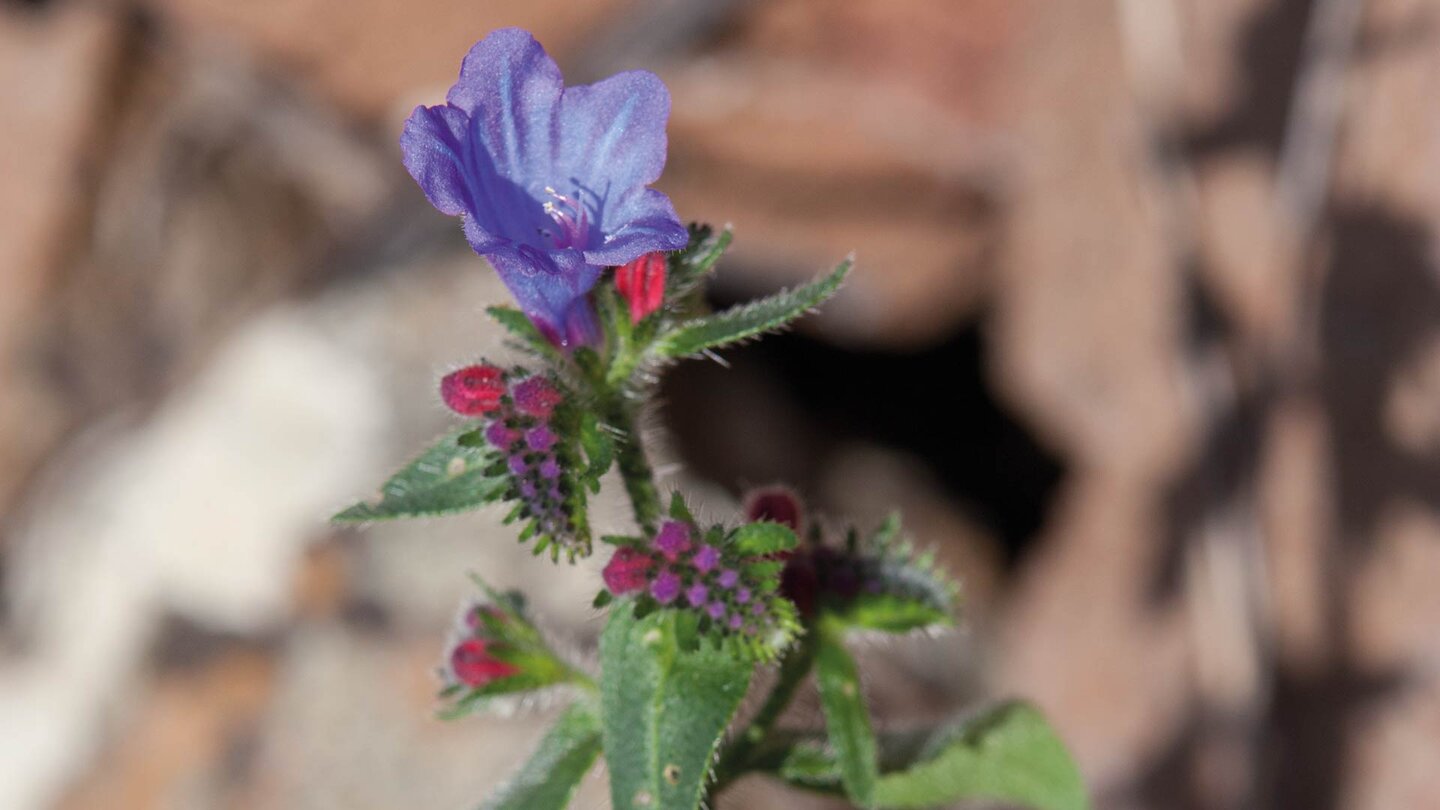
(697, 594)
(728, 578)
(716, 609)
(706, 559)
(517, 464)
(550, 468)
(540, 439)
(527, 490)
(758, 608)
(665, 587)
(742, 596)
(673, 539)
(735, 621)
(499, 436)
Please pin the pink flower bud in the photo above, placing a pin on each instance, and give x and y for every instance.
(536, 397)
(642, 283)
(473, 390)
(474, 666)
(627, 571)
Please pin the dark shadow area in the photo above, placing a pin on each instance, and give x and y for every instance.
(1380, 307)
(786, 405)
(1223, 471)
(1269, 61)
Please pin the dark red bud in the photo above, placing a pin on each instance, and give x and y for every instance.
(776, 504)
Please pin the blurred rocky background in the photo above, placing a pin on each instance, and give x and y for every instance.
(1144, 340)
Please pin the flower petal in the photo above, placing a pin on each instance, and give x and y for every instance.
(550, 288)
(644, 221)
(612, 133)
(432, 145)
(512, 88)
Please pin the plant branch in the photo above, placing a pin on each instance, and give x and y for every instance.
(634, 465)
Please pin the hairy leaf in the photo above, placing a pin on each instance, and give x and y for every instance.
(759, 539)
(1008, 753)
(549, 778)
(847, 721)
(664, 708)
(748, 320)
(449, 477)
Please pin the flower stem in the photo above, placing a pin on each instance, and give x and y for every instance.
(738, 756)
(634, 466)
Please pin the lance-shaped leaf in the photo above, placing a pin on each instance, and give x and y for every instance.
(1007, 754)
(748, 320)
(847, 721)
(664, 708)
(449, 477)
(549, 778)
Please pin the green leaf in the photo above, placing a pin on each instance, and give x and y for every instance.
(551, 775)
(748, 320)
(1007, 754)
(847, 721)
(678, 509)
(599, 449)
(664, 709)
(446, 479)
(529, 338)
(759, 539)
(904, 590)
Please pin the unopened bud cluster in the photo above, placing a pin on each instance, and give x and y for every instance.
(679, 568)
(524, 428)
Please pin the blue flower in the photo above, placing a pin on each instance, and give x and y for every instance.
(550, 180)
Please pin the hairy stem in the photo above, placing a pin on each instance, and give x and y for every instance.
(738, 756)
(634, 466)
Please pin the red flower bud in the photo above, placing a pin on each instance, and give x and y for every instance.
(473, 390)
(642, 283)
(474, 666)
(627, 571)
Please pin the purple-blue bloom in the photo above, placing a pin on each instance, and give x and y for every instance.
(550, 181)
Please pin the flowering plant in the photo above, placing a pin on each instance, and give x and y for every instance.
(551, 184)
